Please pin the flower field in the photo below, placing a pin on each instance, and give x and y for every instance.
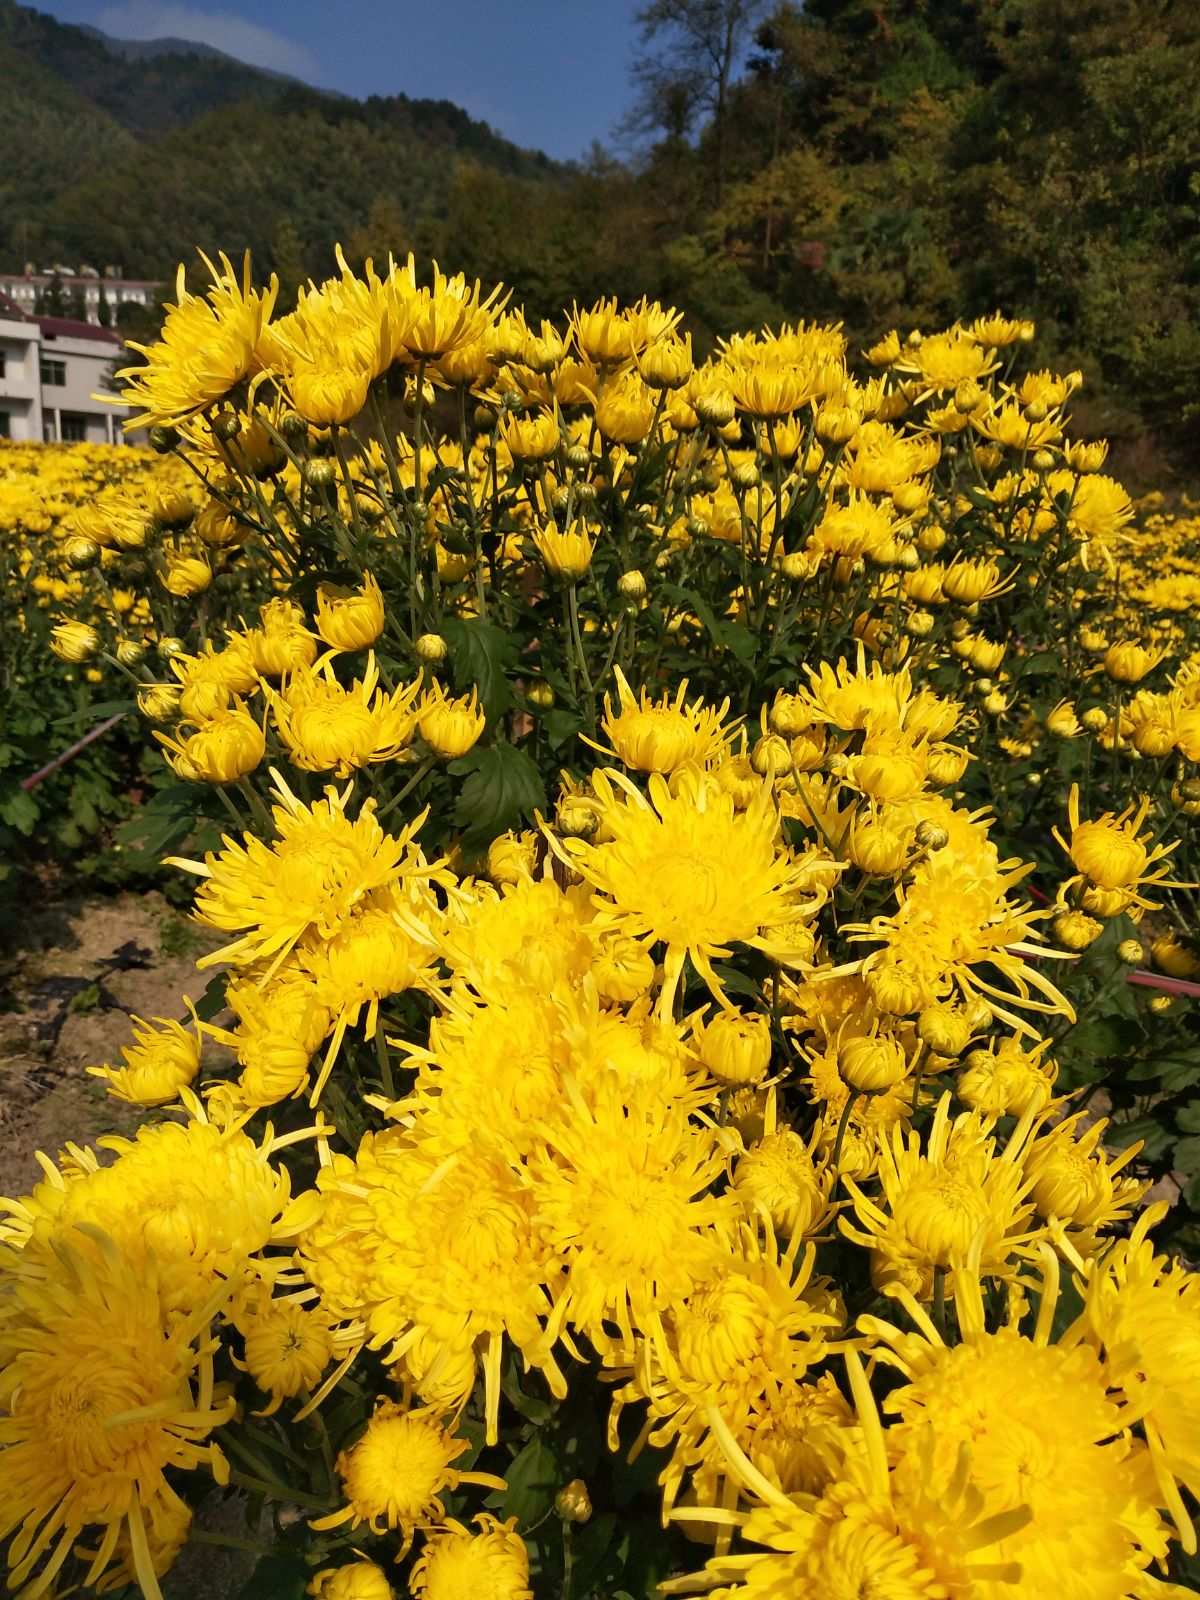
(699, 1088)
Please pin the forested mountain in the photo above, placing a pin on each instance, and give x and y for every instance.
(136, 155)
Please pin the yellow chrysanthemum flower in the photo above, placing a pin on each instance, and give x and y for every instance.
(208, 345)
(102, 1392)
(661, 735)
(663, 877)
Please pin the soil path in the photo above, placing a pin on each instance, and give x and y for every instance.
(73, 975)
(81, 970)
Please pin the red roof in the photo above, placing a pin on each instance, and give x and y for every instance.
(67, 328)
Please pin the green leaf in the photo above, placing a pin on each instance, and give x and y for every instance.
(480, 654)
(1155, 1138)
(532, 1482)
(1187, 1118)
(212, 1000)
(503, 788)
(1173, 1069)
(732, 636)
(276, 1577)
(560, 726)
(20, 811)
(590, 1545)
(1185, 1157)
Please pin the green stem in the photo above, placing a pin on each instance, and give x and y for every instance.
(843, 1123)
(939, 1300)
(385, 1063)
(422, 770)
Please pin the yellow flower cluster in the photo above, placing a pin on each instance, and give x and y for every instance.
(683, 819)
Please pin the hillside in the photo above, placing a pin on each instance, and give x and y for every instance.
(134, 154)
(146, 92)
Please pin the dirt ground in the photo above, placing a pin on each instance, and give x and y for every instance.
(66, 996)
(82, 969)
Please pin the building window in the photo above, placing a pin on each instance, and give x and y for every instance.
(3, 363)
(74, 427)
(54, 372)
(5, 425)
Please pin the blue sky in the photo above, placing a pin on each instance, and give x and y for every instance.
(552, 74)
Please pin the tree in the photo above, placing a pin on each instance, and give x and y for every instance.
(52, 300)
(104, 310)
(288, 261)
(692, 49)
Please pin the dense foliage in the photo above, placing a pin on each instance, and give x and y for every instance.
(691, 828)
(67, 822)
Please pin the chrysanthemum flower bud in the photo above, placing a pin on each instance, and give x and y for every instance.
(573, 1503)
(920, 624)
(771, 756)
(350, 619)
(876, 849)
(1129, 663)
(946, 766)
(320, 474)
(789, 715)
(511, 858)
(872, 1063)
(74, 641)
(163, 440)
(1043, 460)
(632, 585)
(909, 497)
(1092, 640)
(576, 818)
(540, 695)
(1160, 1004)
(836, 425)
(158, 701)
(735, 1047)
(1089, 456)
(1131, 951)
(450, 727)
(623, 971)
(431, 647)
(931, 836)
(187, 576)
(223, 749)
(946, 1031)
(130, 652)
(566, 555)
(797, 566)
(1074, 930)
(1095, 719)
(81, 553)
(359, 1580)
(716, 407)
(667, 364)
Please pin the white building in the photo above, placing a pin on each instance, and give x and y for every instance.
(27, 289)
(51, 371)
